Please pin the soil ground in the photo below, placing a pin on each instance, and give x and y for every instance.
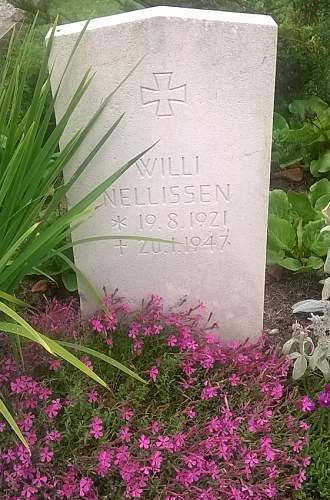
(280, 295)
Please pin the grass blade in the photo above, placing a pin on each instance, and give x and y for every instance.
(103, 357)
(7, 415)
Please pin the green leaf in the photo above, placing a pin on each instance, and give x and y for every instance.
(319, 189)
(279, 122)
(299, 367)
(36, 336)
(304, 108)
(13, 300)
(57, 349)
(314, 262)
(322, 203)
(7, 415)
(322, 165)
(105, 358)
(274, 257)
(281, 234)
(69, 279)
(302, 206)
(304, 136)
(312, 233)
(291, 264)
(279, 204)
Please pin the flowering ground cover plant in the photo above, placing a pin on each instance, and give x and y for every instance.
(215, 421)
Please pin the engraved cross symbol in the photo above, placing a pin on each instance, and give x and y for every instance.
(164, 94)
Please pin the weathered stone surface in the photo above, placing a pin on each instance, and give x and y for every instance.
(205, 89)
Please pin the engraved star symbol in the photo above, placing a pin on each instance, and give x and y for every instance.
(119, 222)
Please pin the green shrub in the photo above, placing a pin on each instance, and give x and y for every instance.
(295, 220)
(305, 137)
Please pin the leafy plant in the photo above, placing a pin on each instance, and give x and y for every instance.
(305, 137)
(30, 163)
(295, 240)
(310, 345)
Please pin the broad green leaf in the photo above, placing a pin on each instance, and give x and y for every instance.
(314, 262)
(291, 264)
(281, 234)
(279, 122)
(274, 257)
(7, 415)
(279, 203)
(326, 213)
(69, 280)
(299, 367)
(319, 189)
(322, 165)
(321, 244)
(304, 136)
(304, 108)
(105, 358)
(302, 206)
(322, 203)
(311, 234)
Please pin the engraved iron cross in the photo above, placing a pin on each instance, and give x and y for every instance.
(164, 95)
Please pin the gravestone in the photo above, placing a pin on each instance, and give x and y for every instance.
(205, 89)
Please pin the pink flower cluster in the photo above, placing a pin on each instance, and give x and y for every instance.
(213, 418)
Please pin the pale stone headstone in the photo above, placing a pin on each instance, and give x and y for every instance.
(205, 89)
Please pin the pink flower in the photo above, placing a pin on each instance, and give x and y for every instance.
(96, 325)
(304, 425)
(85, 485)
(165, 443)
(46, 455)
(156, 461)
(234, 379)
(2, 426)
(271, 491)
(28, 491)
(155, 427)
(251, 460)
(96, 428)
(209, 393)
(144, 442)
(306, 404)
(53, 409)
(92, 395)
(53, 435)
(153, 373)
(54, 364)
(87, 362)
(126, 414)
(125, 434)
(277, 391)
(104, 463)
(172, 341)
(190, 412)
